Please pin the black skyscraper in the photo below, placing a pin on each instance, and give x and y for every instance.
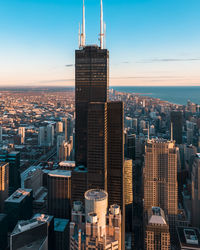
(176, 120)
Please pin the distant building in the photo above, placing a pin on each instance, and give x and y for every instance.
(4, 183)
(61, 234)
(177, 124)
(34, 181)
(19, 206)
(128, 192)
(41, 137)
(1, 133)
(59, 193)
(31, 234)
(50, 135)
(195, 176)
(3, 232)
(189, 238)
(156, 228)
(67, 165)
(131, 146)
(59, 127)
(21, 133)
(97, 228)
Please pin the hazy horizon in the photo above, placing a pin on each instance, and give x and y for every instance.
(151, 43)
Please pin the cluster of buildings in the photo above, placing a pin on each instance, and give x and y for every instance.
(99, 170)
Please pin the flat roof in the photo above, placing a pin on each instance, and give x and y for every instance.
(18, 195)
(60, 224)
(189, 237)
(67, 163)
(96, 194)
(60, 173)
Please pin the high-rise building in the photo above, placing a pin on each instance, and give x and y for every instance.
(98, 227)
(21, 133)
(91, 85)
(13, 158)
(97, 145)
(1, 133)
(31, 234)
(115, 159)
(157, 235)
(4, 183)
(177, 123)
(128, 192)
(59, 193)
(41, 137)
(188, 238)
(195, 176)
(19, 206)
(50, 135)
(160, 178)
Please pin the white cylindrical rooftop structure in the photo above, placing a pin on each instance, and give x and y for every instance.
(96, 201)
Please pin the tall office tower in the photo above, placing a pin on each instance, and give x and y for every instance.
(115, 158)
(65, 127)
(91, 85)
(80, 176)
(156, 228)
(50, 135)
(4, 183)
(31, 234)
(41, 137)
(131, 146)
(128, 192)
(60, 139)
(19, 206)
(196, 191)
(59, 193)
(97, 145)
(3, 231)
(160, 178)
(1, 132)
(13, 158)
(21, 133)
(176, 120)
(100, 228)
(59, 127)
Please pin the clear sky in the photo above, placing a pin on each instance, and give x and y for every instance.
(151, 42)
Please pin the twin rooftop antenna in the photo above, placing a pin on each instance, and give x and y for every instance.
(82, 28)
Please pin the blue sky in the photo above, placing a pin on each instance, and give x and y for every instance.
(151, 42)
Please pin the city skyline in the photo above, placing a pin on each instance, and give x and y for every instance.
(150, 43)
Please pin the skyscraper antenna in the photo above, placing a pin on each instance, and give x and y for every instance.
(101, 27)
(172, 131)
(104, 35)
(82, 34)
(79, 36)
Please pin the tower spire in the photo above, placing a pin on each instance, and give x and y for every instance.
(82, 34)
(101, 27)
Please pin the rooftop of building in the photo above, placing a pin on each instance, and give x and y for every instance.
(156, 216)
(42, 217)
(13, 153)
(19, 195)
(60, 173)
(189, 237)
(67, 164)
(25, 225)
(96, 194)
(60, 224)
